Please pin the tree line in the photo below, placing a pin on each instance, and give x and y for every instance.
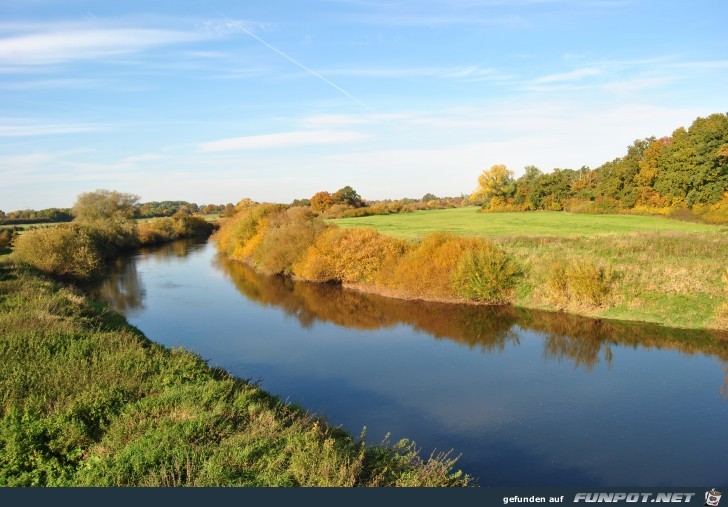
(151, 209)
(685, 174)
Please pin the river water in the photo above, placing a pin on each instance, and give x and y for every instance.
(525, 398)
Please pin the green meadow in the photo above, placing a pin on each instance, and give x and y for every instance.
(470, 222)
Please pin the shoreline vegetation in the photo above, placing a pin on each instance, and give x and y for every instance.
(88, 400)
(675, 278)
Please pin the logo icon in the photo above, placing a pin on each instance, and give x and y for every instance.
(712, 497)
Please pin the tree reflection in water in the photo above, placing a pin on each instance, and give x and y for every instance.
(583, 341)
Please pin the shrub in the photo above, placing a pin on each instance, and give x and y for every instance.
(485, 273)
(237, 231)
(285, 237)
(348, 255)
(579, 282)
(427, 267)
(6, 238)
(160, 230)
(66, 251)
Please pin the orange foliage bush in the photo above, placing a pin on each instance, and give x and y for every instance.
(239, 229)
(283, 239)
(427, 267)
(348, 255)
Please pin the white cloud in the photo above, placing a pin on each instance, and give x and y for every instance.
(146, 157)
(471, 73)
(63, 45)
(282, 139)
(24, 128)
(574, 75)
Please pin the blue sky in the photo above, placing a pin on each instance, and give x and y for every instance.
(213, 101)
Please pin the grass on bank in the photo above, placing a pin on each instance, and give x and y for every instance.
(87, 400)
(469, 222)
(625, 267)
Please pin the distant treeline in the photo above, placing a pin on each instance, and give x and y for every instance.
(150, 209)
(684, 175)
(346, 202)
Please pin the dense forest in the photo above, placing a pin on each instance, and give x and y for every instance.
(683, 175)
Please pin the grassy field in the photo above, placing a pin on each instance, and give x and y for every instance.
(87, 400)
(468, 222)
(647, 268)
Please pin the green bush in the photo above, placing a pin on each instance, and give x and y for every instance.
(486, 273)
(161, 230)
(66, 250)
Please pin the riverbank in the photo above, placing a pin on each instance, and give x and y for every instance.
(675, 278)
(87, 400)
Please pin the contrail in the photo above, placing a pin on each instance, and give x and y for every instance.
(294, 61)
(309, 70)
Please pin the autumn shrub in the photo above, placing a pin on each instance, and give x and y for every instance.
(579, 282)
(713, 213)
(285, 238)
(427, 267)
(66, 250)
(485, 273)
(348, 255)
(235, 234)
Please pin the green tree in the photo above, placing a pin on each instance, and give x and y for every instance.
(109, 215)
(347, 196)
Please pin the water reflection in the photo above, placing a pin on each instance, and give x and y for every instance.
(585, 342)
(122, 287)
(582, 341)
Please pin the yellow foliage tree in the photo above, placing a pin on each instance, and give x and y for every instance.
(496, 182)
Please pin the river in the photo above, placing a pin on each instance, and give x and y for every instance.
(525, 398)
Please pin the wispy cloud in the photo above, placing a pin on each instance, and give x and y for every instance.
(282, 139)
(471, 73)
(51, 47)
(574, 75)
(14, 127)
